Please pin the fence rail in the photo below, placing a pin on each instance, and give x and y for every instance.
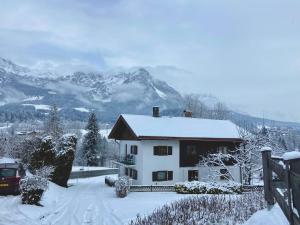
(282, 184)
(171, 188)
(93, 173)
(152, 188)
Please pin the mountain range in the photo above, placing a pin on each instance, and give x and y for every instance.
(108, 94)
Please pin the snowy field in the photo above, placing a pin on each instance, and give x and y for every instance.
(87, 201)
(90, 202)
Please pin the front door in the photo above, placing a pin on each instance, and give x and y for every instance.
(193, 175)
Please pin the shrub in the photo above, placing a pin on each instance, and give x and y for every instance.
(65, 155)
(110, 181)
(32, 189)
(60, 158)
(122, 187)
(44, 155)
(199, 210)
(197, 187)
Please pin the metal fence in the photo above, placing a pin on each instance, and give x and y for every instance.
(282, 184)
(93, 173)
(152, 188)
(171, 188)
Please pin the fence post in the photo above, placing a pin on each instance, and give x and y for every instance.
(288, 186)
(267, 175)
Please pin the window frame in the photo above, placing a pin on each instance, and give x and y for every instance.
(162, 150)
(224, 175)
(134, 149)
(168, 175)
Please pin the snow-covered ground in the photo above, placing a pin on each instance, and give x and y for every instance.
(103, 132)
(88, 168)
(87, 201)
(90, 201)
(265, 217)
(82, 109)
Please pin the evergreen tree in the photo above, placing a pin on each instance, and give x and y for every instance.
(91, 145)
(65, 154)
(53, 125)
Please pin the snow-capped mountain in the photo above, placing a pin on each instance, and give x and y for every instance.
(111, 93)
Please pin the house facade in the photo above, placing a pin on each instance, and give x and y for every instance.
(157, 150)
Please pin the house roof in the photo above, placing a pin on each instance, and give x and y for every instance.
(148, 127)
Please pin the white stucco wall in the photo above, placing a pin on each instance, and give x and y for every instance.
(147, 162)
(153, 162)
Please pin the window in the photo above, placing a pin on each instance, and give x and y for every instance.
(134, 174)
(224, 174)
(162, 175)
(131, 173)
(162, 150)
(134, 149)
(192, 175)
(8, 172)
(222, 149)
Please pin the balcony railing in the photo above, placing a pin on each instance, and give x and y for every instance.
(128, 160)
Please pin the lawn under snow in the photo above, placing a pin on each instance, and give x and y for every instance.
(87, 201)
(90, 201)
(265, 217)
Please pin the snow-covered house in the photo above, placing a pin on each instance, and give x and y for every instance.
(165, 150)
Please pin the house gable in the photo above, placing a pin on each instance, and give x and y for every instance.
(122, 131)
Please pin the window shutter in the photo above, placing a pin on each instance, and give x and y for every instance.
(154, 176)
(169, 150)
(135, 174)
(170, 175)
(155, 150)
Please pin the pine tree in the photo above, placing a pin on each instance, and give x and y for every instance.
(92, 142)
(53, 125)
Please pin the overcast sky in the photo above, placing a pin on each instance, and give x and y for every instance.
(247, 53)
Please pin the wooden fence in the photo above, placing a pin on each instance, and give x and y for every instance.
(282, 184)
(93, 173)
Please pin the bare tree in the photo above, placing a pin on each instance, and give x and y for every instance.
(193, 103)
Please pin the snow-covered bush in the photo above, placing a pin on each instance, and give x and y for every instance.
(65, 154)
(213, 209)
(197, 187)
(110, 181)
(60, 158)
(44, 155)
(32, 188)
(122, 187)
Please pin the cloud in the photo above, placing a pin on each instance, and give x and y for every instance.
(245, 52)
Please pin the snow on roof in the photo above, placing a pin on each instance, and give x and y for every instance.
(291, 155)
(181, 127)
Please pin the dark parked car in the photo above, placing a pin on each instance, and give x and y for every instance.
(9, 178)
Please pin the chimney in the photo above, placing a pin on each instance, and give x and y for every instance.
(188, 113)
(155, 111)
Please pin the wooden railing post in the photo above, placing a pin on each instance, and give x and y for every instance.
(289, 192)
(267, 175)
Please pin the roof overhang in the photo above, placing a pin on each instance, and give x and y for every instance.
(122, 131)
(190, 139)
